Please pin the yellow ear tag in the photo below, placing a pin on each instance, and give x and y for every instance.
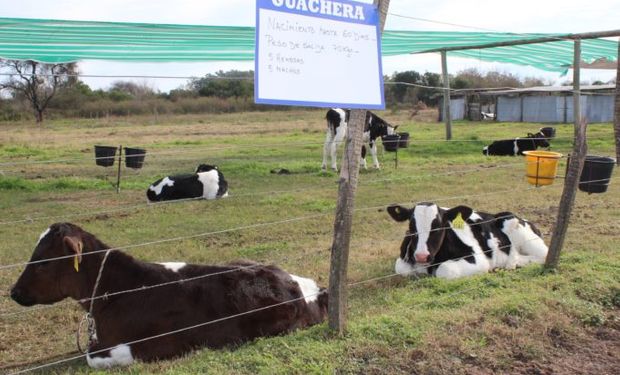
(458, 221)
(76, 264)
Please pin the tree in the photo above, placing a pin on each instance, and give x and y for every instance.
(134, 90)
(36, 82)
(400, 91)
(234, 83)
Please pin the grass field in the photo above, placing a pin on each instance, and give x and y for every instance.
(525, 321)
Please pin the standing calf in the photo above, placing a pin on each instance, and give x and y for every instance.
(337, 120)
(121, 319)
(457, 242)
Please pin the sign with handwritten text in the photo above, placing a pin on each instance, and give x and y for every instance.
(320, 53)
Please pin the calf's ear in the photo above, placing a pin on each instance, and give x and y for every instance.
(399, 213)
(74, 244)
(464, 211)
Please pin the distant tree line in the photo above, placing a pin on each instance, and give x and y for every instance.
(34, 89)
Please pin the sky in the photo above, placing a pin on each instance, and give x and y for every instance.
(523, 16)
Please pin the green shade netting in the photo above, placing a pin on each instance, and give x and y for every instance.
(58, 41)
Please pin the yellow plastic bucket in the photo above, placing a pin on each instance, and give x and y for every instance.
(541, 167)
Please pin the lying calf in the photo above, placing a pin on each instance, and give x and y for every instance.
(125, 321)
(207, 182)
(459, 242)
(514, 147)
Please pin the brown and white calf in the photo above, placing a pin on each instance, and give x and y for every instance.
(337, 120)
(122, 320)
(457, 242)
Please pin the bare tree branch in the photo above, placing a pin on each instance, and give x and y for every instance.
(36, 82)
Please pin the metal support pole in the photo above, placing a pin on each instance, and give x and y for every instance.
(118, 173)
(337, 314)
(396, 156)
(577, 83)
(447, 117)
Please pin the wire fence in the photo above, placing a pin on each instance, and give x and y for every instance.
(20, 311)
(420, 270)
(318, 187)
(210, 149)
(165, 153)
(204, 234)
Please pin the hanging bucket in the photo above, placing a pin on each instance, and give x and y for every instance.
(104, 155)
(403, 142)
(541, 166)
(596, 174)
(134, 157)
(390, 142)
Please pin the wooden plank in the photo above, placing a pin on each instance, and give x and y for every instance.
(580, 36)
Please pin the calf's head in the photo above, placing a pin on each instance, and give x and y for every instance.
(428, 224)
(47, 280)
(378, 127)
(548, 132)
(205, 168)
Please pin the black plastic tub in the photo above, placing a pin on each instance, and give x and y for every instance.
(390, 142)
(403, 142)
(596, 174)
(104, 155)
(134, 157)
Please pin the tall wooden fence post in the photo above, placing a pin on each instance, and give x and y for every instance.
(447, 115)
(344, 210)
(617, 107)
(573, 172)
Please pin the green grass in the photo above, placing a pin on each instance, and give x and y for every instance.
(495, 323)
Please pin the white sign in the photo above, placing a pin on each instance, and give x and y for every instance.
(318, 53)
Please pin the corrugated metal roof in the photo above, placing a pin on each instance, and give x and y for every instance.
(551, 89)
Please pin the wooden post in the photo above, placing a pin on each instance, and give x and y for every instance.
(617, 107)
(573, 171)
(344, 210)
(447, 116)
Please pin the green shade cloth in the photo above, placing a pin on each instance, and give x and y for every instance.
(58, 41)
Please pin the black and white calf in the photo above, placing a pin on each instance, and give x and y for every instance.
(337, 120)
(207, 182)
(457, 242)
(513, 147)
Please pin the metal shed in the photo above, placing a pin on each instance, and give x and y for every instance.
(553, 104)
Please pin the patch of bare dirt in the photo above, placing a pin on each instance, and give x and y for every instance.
(558, 347)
